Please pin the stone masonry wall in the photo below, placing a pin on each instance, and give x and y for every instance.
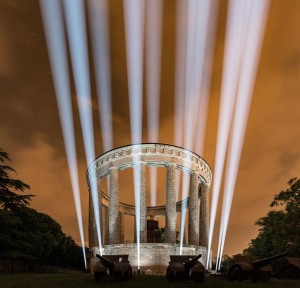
(154, 256)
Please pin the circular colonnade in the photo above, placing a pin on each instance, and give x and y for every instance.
(154, 256)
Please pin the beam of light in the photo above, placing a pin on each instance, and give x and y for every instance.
(180, 66)
(204, 89)
(249, 66)
(242, 15)
(185, 189)
(154, 9)
(232, 57)
(182, 232)
(54, 32)
(134, 12)
(198, 63)
(197, 30)
(189, 99)
(191, 68)
(76, 30)
(98, 11)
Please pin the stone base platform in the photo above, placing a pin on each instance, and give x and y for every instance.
(153, 256)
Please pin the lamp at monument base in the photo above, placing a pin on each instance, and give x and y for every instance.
(153, 256)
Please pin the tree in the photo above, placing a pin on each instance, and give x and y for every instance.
(35, 237)
(280, 230)
(28, 235)
(9, 199)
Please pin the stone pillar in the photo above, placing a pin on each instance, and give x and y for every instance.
(171, 205)
(106, 225)
(193, 227)
(121, 227)
(142, 188)
(203, 229)
(93, 236)
(92, 226)
(100, 211)
(114, 206)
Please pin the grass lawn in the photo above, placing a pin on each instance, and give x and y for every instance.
(142, 281)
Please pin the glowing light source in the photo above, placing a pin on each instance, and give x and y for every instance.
(198, 13)
(204, 88)
(181, 35)
(76, 28)
(154, 11)
(98, 10)
(256, 21)
(232, 58)
(185, 189)
(134, 27)
(54, 32)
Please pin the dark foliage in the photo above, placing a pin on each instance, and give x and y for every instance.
(280, 230)
(29, 235)
(9, 199)
(26, 234)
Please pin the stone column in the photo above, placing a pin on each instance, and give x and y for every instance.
(100, 211)
(121, 227)
(203, 229)
(142, 188)
(114, 206)
(106, 225)
(171, 205)
(92, 226)
(193, 227)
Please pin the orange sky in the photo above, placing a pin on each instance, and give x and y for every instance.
(30, 129)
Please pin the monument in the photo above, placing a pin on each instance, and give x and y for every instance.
(153, 255)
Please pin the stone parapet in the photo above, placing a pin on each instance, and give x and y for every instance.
(154, 256)
(152, 154)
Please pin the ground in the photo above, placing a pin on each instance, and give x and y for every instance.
(143, 281)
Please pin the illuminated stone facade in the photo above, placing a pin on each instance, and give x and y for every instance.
(155, 255)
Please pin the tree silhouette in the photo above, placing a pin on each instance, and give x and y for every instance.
(28, 235)
(279, 230)
(9, 198)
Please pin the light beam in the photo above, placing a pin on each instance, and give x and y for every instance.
(180, 66)
(76, 31)
(253, 41)
(204, 89)
(232, 58)
(98, 10)
(54, 32)
(134, 12)
(197, 31)
(154, 9)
